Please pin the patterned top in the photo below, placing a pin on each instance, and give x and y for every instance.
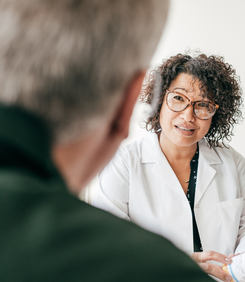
(191, 198)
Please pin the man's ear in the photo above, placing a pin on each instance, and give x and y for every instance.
(121, 121)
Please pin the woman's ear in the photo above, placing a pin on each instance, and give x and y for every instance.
(121, 120)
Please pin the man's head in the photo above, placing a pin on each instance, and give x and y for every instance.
(74, 62)
(69, 61)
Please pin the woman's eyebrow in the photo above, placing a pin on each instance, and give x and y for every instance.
(180, 88)
(204, 95)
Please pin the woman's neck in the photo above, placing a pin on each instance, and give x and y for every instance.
(175, 153)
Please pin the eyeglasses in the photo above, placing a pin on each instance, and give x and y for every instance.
(179, 102)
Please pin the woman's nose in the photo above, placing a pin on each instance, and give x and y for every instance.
(188, 114)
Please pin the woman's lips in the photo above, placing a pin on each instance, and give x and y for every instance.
(185, 131)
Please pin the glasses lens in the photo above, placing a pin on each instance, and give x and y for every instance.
(204, 109)
(176, 102)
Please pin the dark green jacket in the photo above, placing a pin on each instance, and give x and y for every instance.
(46, 234)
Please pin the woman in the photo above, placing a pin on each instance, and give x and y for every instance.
(181, 181)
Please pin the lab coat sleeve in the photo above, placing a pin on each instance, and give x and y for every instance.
(241, 233)
(112, 193)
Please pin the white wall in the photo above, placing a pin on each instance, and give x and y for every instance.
(213, 27)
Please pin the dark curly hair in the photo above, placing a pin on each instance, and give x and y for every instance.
(217, 78)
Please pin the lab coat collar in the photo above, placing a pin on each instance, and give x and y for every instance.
(150, 148)
(208, 158)
(152, 153)
(208, 154)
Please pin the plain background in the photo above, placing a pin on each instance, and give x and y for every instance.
(210, 26)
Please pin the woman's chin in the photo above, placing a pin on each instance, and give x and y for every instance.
(185, 141)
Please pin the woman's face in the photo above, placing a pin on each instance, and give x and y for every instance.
(183, 128)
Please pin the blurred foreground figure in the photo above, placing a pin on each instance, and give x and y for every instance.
(70, 74)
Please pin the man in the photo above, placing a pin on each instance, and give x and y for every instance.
(70, 74)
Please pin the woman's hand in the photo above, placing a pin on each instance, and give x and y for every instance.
(202, 258)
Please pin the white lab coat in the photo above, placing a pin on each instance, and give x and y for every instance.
(139, 185)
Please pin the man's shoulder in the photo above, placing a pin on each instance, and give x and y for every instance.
(53, 236)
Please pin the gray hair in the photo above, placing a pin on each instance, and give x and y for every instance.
(69, 61)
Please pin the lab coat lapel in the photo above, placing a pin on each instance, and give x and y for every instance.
(163, 170)
(152, 153)
(206, 171)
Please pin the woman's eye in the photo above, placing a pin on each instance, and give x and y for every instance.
(203, 104)
(178, 97)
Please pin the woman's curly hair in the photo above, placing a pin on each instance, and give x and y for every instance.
(217, 78)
